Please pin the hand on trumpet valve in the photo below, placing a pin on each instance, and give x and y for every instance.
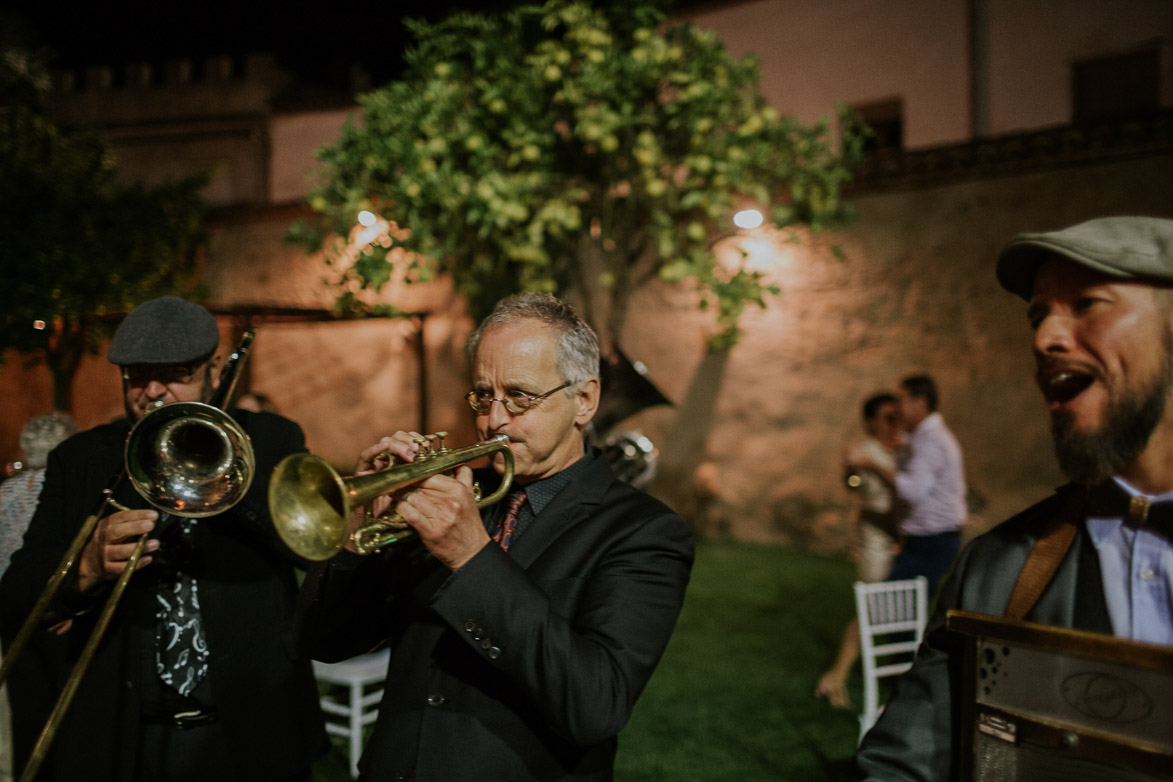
(443, 511)
(400, 448)
(111, 546)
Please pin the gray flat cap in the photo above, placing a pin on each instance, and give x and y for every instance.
(1131, 248)
(167, 330)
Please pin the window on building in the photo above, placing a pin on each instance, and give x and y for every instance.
(1117, 85)
(886, 119)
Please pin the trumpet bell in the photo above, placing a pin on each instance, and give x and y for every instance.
(190, 459)
(310, 506)
(310, 503)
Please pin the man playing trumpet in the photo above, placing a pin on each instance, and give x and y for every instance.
(522, 637)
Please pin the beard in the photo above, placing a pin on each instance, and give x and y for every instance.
(1130, 419)
(136, 411)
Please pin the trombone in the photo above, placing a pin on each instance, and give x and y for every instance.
(188, 459)
(310, 503)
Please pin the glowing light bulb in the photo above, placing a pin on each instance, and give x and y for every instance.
(367, 218)
(748, 218)
(39, 325)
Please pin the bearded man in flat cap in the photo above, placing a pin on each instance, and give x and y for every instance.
(1097, 554)
(197, 677)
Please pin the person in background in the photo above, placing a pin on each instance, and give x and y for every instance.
(929, 482)
(18, 495)
(257, 403)
(875, 520)
(1097, 554)
(34, 690)
(520, 638)
(197, 677)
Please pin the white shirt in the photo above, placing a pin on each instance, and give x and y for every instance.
(1137, 569)
(931, 479)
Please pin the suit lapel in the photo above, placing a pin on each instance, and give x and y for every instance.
(1075, 596)
(570, 507)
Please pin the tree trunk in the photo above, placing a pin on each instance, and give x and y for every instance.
(602, 305)
(63, 356)
(678, 480)
(589, 295)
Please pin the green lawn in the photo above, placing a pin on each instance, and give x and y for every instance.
(732, 698)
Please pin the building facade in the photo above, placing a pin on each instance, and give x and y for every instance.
(993, 117)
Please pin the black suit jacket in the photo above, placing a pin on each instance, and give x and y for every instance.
(262, 687)
(522, 665)
(916, 736)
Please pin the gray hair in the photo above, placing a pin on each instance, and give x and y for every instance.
(578, 347)
(42, 434)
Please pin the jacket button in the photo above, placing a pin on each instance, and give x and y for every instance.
(485, 644)
(469, 626)
(436, 699)
(494, 652)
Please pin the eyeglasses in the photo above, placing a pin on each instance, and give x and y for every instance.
(516, 402)
(142, 376)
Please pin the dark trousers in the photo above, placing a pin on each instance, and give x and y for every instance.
(926, 555)
(195, 754)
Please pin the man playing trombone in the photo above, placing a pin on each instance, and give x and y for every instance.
(196, 677)
(520, 639)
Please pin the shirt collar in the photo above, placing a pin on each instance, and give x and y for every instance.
(539, 494)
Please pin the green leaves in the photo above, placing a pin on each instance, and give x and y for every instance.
(80, 245)
(512, 139)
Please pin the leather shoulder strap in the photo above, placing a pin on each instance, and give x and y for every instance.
(1046, 556)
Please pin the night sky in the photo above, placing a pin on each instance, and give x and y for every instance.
(318, 42)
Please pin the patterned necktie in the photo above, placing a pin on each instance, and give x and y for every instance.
(181, 648)
(506, 522)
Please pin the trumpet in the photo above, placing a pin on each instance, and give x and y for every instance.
(311, 504)
(189, 459)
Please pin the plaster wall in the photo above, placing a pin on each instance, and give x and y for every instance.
(816, 53)
(1034, 44)
(295, 138)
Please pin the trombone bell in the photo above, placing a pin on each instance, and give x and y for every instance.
(190, 459)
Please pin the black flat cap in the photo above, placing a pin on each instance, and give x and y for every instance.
(167, 330)
(1131, 248)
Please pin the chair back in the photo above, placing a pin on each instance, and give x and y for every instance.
(892, 617)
